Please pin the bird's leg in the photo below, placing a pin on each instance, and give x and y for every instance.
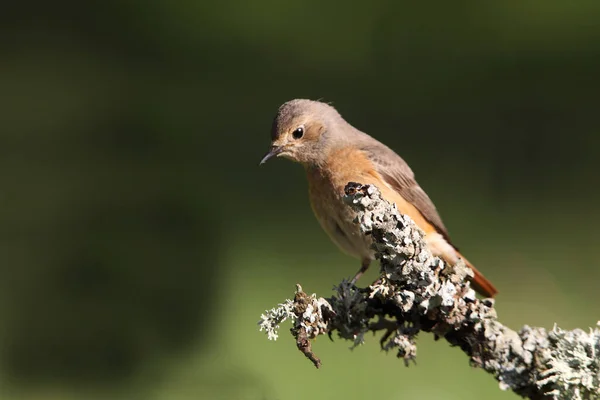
(363, 267)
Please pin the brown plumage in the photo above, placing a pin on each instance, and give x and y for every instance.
(334, 153)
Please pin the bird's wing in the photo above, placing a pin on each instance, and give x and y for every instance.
(396, 173)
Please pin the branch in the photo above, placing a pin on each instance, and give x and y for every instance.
(419, 292)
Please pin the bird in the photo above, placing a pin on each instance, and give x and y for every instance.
(334, 153)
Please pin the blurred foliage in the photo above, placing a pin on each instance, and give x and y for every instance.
(141, 243)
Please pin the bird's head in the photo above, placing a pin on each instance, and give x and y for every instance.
(303, 131)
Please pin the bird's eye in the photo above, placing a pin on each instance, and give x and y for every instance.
(298, 132)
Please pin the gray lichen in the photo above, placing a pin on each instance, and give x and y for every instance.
(270, 321)
(419, 292)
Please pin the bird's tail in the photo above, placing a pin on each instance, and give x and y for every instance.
(479, 282)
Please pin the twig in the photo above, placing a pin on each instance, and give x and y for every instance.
(419, 292)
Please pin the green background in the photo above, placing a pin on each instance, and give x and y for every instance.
(141, 242)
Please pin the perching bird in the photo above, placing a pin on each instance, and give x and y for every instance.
(335, 153)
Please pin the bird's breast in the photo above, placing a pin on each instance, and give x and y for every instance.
(326, 192)
(336, 217)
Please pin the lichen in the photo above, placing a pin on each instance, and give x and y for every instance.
(271, 319)
(417, 292)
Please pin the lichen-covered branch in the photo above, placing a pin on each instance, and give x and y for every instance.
(419, 292)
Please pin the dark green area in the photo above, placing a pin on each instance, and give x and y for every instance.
(140, 240)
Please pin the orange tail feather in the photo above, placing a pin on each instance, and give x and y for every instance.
(479, 283)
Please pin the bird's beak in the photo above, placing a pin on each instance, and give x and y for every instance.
(275, 150)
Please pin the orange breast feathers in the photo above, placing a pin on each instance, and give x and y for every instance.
(352, 165)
